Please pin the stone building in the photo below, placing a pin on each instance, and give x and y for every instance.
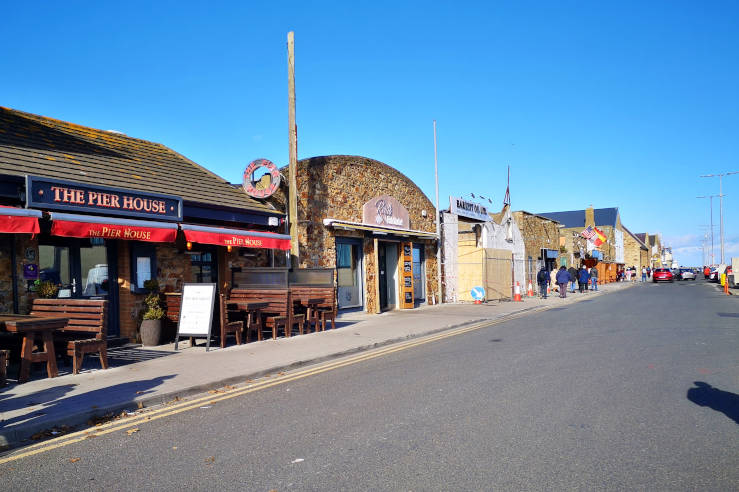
(110, 212)
(480, 250)
(636, 252)
(541, 238)
(656, 251)
(609, 256)
(370, 223)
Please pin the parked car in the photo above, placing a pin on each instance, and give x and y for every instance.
(662, 275)
(686, 274)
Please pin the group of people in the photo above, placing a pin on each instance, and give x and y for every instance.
(564, 277)
(631, 274)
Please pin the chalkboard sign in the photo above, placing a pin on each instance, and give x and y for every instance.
(196, 312)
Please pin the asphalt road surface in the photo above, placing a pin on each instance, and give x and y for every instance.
(636, 390)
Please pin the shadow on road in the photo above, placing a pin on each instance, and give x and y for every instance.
(706, 395)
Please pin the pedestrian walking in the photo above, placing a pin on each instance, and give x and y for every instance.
(553, 279)
(573, 278)
(594, 278)
(542, 278)
(563, 278)
(643, 274)
(583, 278)
(628, 275)
(649, 272)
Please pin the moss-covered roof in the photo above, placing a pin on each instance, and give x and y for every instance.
(41, 146)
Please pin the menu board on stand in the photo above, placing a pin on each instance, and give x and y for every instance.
(406, 300)
(196, 312)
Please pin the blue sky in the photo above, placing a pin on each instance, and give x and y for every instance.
(611, 104)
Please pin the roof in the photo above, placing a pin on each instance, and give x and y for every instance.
(534, 215)
(50, 148)
(641, 236)
(576, 218)
(653, 239)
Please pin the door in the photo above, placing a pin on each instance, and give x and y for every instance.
(78, 267)
(387, 255)
(349, 273)
(419, 273)
(382, 275)
(82, 269)
(204, 266)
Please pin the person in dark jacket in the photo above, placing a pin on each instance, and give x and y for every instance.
(583, 278)
(563, 278)
(573, 278)
(542, 278)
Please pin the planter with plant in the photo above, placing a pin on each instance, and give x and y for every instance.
(151, 324)
(46, 289)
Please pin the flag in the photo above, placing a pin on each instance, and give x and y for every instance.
(588, 233)
(600, 238)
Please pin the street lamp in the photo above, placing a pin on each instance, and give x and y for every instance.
(721, 204)
(713, 259)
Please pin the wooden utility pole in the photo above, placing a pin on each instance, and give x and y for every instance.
(293, 168)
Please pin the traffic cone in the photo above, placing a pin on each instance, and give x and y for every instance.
(530, 291)
(549, 291)
(517, 293)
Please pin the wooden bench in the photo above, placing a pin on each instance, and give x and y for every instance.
(87, 330)
(279, 313)
(326, 309)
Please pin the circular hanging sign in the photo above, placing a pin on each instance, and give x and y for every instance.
(267, 184)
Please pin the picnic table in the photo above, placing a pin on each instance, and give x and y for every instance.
(252, 310)
(30, 327)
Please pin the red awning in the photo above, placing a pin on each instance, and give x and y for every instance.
(70, 225)
(235, 237)
(19, 220)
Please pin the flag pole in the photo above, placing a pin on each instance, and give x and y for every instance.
(438, 228)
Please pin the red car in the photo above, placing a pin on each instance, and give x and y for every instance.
(662, 275)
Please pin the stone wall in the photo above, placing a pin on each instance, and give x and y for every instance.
(22, 242)
(337, 187)
(538, 233)
(634, 255)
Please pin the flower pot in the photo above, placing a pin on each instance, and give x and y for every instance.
(151, 332)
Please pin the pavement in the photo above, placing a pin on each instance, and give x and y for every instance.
(141, 377)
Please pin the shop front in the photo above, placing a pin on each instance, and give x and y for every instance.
(370, 224)
(165, 219)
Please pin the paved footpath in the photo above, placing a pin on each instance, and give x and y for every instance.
(146, 377)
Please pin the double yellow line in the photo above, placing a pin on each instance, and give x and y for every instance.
(150, 416)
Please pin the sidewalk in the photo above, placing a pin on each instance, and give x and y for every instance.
(153, 376)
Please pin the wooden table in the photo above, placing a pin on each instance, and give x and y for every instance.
(30, 327)
(253, 312)
(311, 304)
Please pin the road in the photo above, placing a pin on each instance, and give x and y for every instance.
(632, 390)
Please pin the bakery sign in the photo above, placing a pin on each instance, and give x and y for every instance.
(57, 194)
(385, 211)
(459, 206)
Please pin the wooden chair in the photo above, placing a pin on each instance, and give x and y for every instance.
(279, 314)
(87, 318)
(327, 310)
(4, 357)
(228, 326)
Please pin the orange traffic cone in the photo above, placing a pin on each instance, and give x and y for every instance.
(517, 293)
(530, 291)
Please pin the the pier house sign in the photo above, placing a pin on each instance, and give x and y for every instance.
(385, 211)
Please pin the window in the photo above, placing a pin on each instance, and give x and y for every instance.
(143, 265)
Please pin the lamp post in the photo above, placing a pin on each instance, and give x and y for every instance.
(721, 203)
(710, 197)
